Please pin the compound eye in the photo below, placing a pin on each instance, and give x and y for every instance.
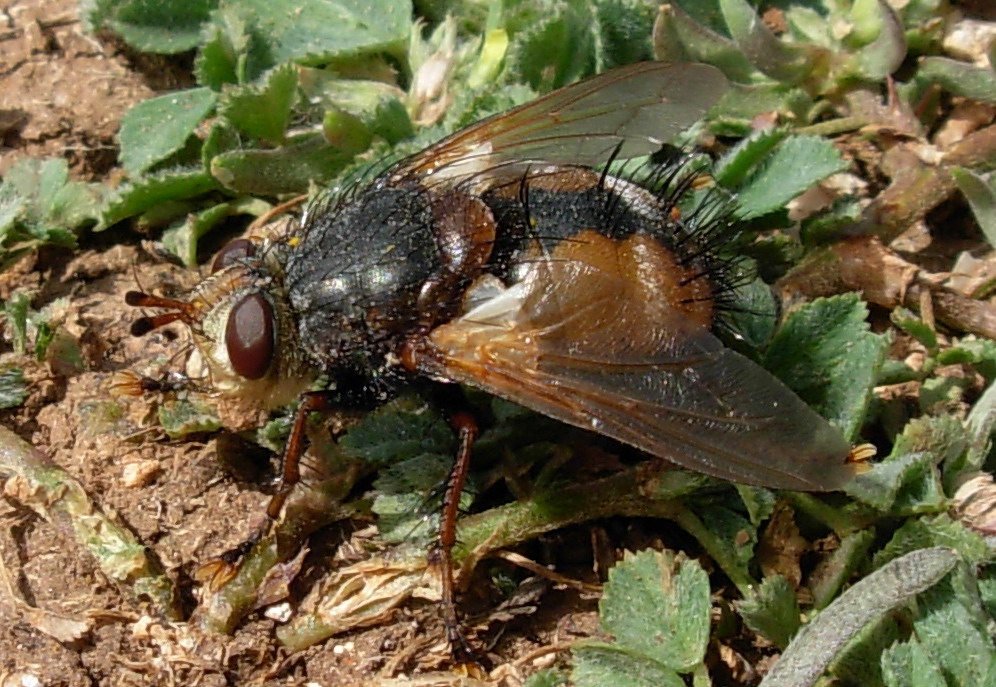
(249, 336)
(233, 252)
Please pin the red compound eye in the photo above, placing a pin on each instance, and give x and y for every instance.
(249, 336)
(232, 252)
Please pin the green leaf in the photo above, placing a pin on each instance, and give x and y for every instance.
(13, 388)
(836, 570)
(894, 583)
(733, 167)
(935, 530)
(292, 168)
(225, 50)
(950, 610)
(907, 664)
(622, 30)
(753, 315)
(981, 422)
(884, 53)
(401, 502)
(13, 209)
(263, 112)
(156, 128)
(981, 197)
(315, 31)
(779, 60)
(915, 327)
(346, 132)
(731, 531)
(879, 485)
(795, 166)
(760, 502)
(860, 661)
(182, 417)
(597, 664)
(16, 310)
(148, 192)
(678, 37)
(959, 78)
(556, 49)
(548, 677)
(658, 607)
(402, 429)
(772, 610)
(160, 26)
(38, 182)
(826, 354)
(38, 201)
(907, 481)
(376, 105)
(943, 438)
(182, 240)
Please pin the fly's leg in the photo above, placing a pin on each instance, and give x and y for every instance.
(312, 401)
(290, 475)
(442, 554)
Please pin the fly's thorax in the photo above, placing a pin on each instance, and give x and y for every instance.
(245, 336)
(355, 272)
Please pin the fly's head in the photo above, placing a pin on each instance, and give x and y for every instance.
(244, 335)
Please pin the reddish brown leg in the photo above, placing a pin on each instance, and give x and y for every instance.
(291, 473)
(310, 402)
(442, 555)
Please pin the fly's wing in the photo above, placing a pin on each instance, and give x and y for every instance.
(628, 111)
(587, 338)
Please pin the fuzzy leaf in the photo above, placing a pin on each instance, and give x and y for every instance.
(397, 431)
(982, 197)
(13, 388)
(181, 417)
(826, 354)
(795, 166)
(829, 578)
(960, 78)
(772, 610)
(148, 192)
(263, 112)
(952, 609)
(548, 677)
(907, 664)
(936, 530)
(732, 169)
(288, 169)
(658, 608)
(377, 105)
(678, 37)
(315, 31)
(159, 26)
(156, 128)
(894, 583)
(597, 664)
(885, 53)
(779, 60)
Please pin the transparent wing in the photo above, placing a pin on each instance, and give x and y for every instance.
(632, 110)
(588, 339)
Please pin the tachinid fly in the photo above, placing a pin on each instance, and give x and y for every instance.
(501, 259)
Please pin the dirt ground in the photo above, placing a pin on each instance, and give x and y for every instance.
(62, 621)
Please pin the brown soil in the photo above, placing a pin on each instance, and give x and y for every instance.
(62, 621)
